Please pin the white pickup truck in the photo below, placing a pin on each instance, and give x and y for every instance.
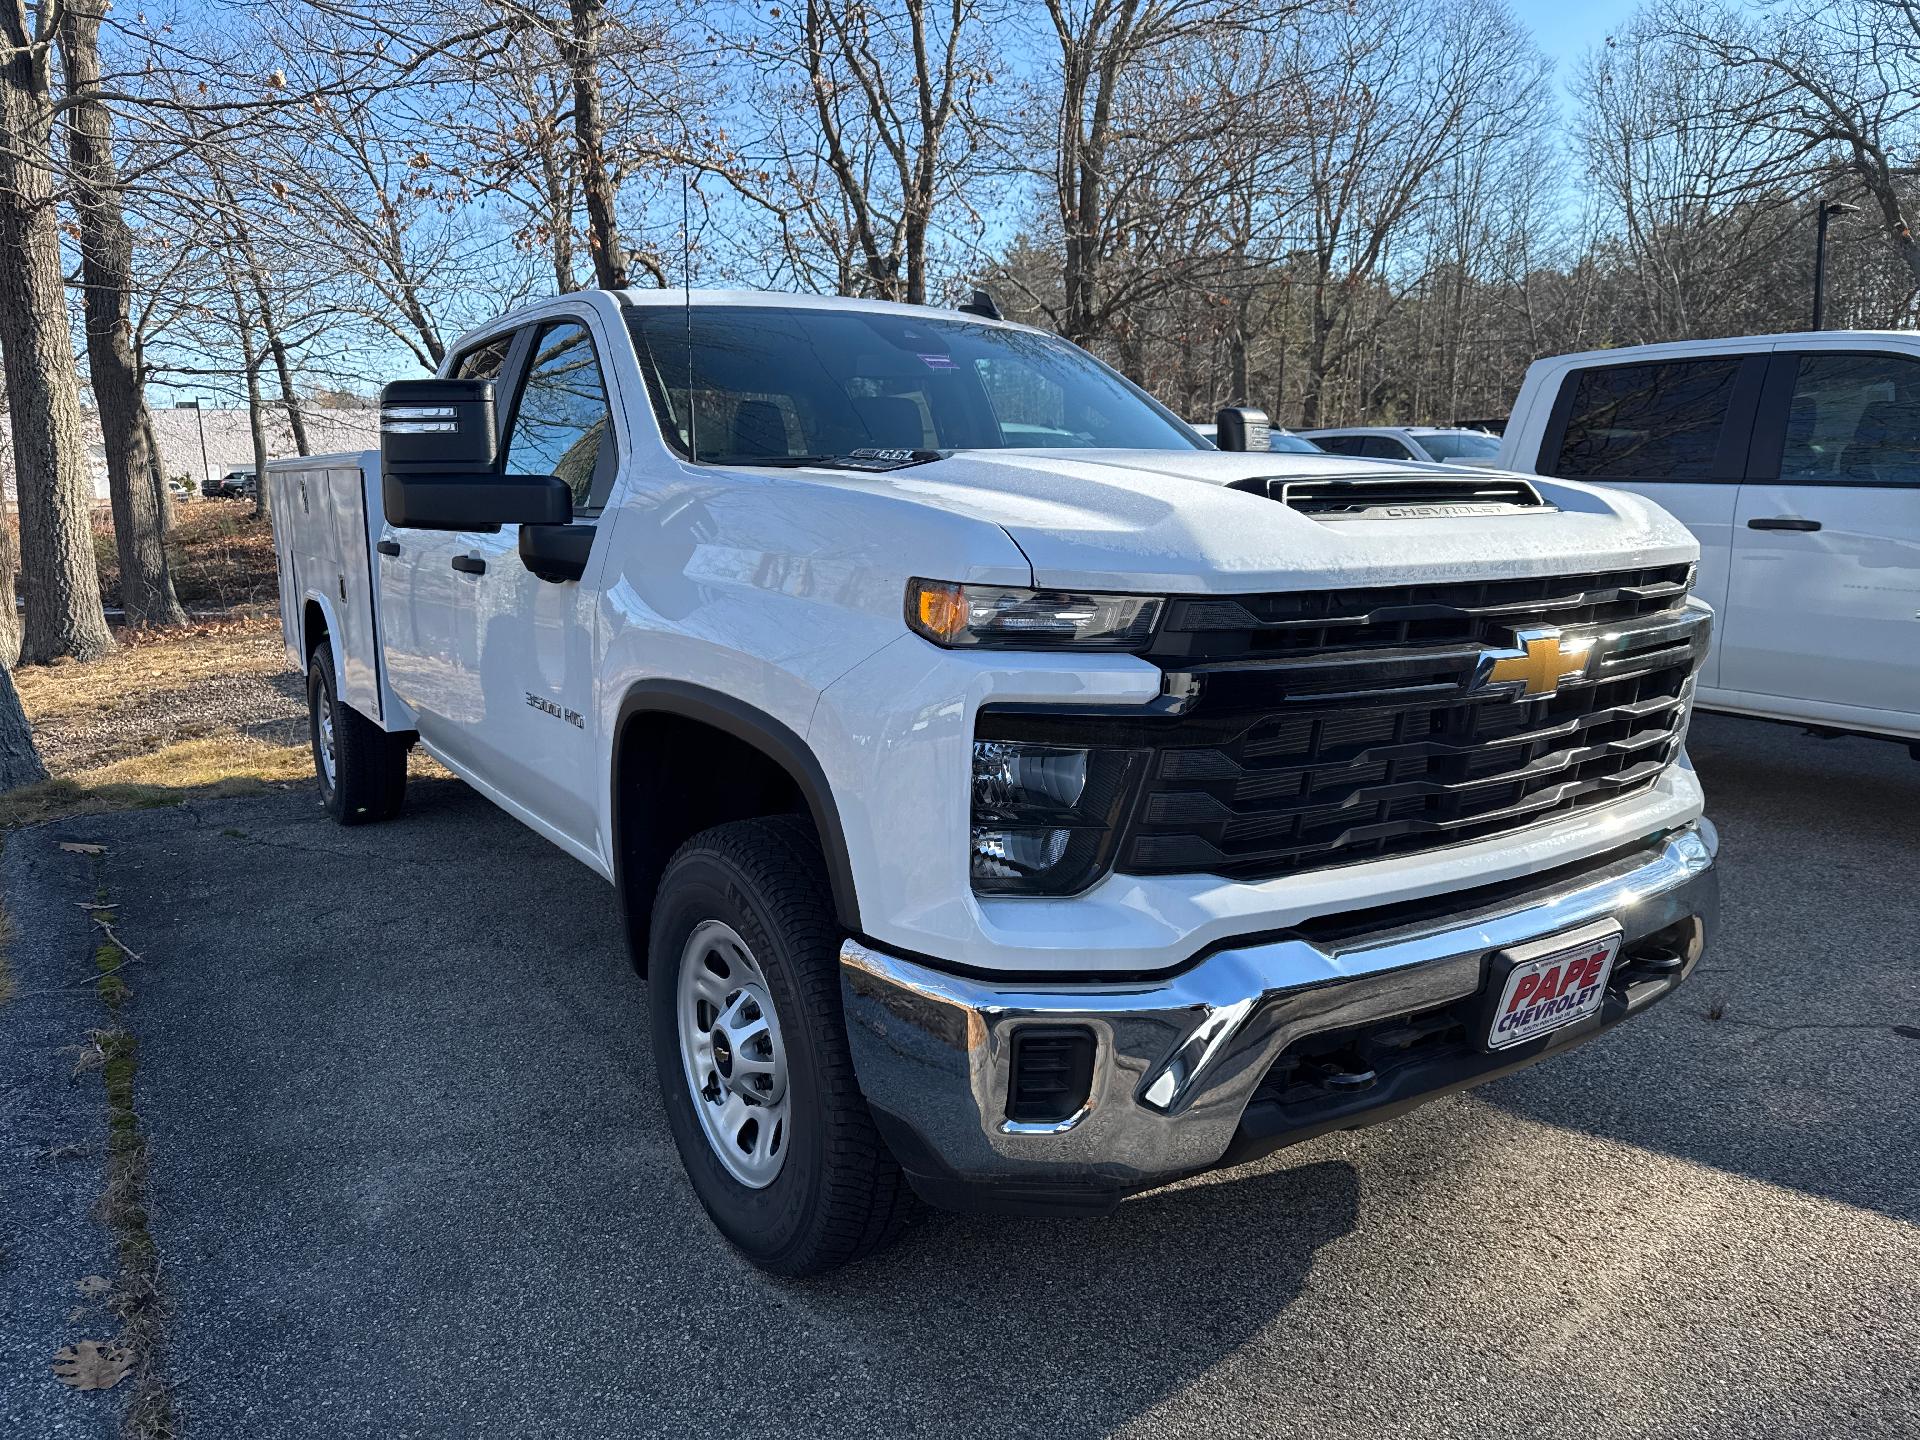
(1795, 461)
(1010, 798)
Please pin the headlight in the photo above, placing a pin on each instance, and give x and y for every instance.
(952, 615)
(1045, 817)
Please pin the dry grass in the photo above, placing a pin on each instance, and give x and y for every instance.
(189, 770)
(201, 712)
(88, 715)
(195, 713)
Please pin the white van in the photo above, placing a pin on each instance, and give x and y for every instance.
(1795, 460)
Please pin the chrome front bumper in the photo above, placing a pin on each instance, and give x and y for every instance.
(1178, 1057)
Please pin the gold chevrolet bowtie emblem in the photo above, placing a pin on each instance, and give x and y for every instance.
(1541, 659)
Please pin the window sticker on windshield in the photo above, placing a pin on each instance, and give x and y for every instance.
(939, 362)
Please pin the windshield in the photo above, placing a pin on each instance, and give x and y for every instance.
(1287, 444)
(773, 384)
(1460, 445)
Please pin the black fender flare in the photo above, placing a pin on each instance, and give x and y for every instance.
(753, 727)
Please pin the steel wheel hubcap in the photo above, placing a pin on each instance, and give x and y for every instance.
(326, 738)
(731, 1052)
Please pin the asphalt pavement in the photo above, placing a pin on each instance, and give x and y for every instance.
(410, 1178)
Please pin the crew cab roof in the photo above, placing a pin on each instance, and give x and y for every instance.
(1721, 345)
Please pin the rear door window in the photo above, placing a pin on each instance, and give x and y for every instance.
(1663, 420)
(1854, 419)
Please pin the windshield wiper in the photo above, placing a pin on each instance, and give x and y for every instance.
(863, 459)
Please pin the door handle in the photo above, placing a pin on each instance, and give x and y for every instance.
(469, 564)
(1783, 522)
(388, 547)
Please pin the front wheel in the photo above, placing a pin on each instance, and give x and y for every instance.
(751, 1051)
(361, 768)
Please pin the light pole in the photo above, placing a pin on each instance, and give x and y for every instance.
(206, 470)
(1828, 209)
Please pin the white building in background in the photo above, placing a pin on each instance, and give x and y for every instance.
(229, 441)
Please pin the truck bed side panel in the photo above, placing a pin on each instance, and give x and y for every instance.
(326, 559)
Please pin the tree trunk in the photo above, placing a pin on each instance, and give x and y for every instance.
(258, 424)
(156, 469)
(9, 589)
(50, 461)
(277, 347)
(581, 48)
(106, 268)
(19, 758)
(1320, 359)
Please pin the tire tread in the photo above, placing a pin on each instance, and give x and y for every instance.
(370, 765)
(865, 1198)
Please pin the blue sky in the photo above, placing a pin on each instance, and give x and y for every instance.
(1565, 28)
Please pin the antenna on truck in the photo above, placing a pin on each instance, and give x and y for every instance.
(686, 313)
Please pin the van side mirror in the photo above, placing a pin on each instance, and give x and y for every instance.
(439, 463)
(1240, 427)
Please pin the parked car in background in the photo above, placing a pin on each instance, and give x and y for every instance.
(1436, 444)
(1490, 425)
(177, 491)
(1279, 442)
(234, 485)
(1025, 825)
(1795, 460)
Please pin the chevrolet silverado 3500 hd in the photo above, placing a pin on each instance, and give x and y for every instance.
(1009, 797)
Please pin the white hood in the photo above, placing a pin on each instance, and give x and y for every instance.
(1156, 520)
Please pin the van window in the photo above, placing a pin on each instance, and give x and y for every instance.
(1854, 419)
(1658, 421)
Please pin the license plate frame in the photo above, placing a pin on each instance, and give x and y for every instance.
(1578, 996)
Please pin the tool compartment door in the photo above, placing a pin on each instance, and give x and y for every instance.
(326, 559)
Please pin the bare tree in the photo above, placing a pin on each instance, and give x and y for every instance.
(1392, 96)
(1674, 185)
(895, 91)
(1103, 105)
(106, 268)
(589, 102)
(1834, 88)
(62, 586)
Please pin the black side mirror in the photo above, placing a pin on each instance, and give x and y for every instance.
(438, 463)
(1239, 427)
(556, 553)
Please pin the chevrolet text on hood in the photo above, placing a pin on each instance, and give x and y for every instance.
(1012, 799)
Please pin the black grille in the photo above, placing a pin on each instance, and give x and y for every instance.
(1330, 728)
(1399, 497)
(1481, 612)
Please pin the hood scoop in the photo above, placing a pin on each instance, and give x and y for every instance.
(1413, 496)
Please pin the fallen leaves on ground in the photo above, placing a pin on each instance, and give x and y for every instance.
(92, 1364)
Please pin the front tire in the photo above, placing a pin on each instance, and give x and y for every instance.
(751, 1051)
(361, 768)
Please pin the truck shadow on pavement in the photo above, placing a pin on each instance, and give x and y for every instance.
(1792, 1055)
(1071, 1328)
